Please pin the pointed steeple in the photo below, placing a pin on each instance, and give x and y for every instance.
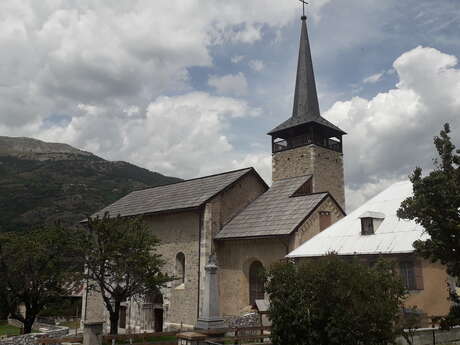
(306, 104)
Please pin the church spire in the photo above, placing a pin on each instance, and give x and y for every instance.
(306, 106)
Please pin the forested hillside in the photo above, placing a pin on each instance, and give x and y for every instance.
(41, 183)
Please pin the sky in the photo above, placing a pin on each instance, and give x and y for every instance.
(190, 88)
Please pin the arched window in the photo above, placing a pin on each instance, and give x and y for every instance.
(180, 268)
(256, 282)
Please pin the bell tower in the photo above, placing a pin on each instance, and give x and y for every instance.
(307, 143)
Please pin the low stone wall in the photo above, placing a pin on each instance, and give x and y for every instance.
(247, 320)
(433, 336)
(46, 331)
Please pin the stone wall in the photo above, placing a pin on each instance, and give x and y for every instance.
(179, 232)
(47, 331)
(235, 258)
(325, 165)
(328, 173)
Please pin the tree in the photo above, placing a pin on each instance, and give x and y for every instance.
(331, 300)
(36, 268)
(435, 205)
(121, 262)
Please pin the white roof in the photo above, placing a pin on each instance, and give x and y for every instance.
(393, 235)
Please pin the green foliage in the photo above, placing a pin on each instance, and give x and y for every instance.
(64, 306)
(435, 205)
(34, 193)
(122, 261)
(36, 269)
(331, 300)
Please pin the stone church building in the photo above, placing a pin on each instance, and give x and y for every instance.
(238, 217)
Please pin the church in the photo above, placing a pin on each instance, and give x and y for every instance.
(246, 224)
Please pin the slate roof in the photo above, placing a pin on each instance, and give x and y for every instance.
(297, 121)
(273, 213)
(173, 197)
(392, 236)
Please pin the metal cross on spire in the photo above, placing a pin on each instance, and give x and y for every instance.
(303, 6)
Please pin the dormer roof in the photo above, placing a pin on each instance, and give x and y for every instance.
(373, 215)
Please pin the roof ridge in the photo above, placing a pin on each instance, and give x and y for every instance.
(194, 179)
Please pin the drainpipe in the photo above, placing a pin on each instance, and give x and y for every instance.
(200, 228)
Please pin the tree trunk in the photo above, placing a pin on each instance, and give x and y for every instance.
(4, 314)
(28, 323)
(114, 316)
(29, 318)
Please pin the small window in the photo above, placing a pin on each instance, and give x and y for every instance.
(324, 220)
(367, 226)
(407, 271)
(411, 274)
(180, 268)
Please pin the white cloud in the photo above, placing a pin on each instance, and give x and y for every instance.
(391, 134)
(56, 54)
(237, 59)
(256, 65)
(374, 78)
(230, 84)
(181, 136)
(262, 162)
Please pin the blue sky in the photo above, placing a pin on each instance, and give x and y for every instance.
(189, 88)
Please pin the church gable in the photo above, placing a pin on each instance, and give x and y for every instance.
(326, 213)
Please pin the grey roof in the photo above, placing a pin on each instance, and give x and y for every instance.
(275, 212)
(297, 121)
(262, 305)
(177, 196)
(306, 105)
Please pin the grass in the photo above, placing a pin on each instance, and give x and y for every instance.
(6, 329)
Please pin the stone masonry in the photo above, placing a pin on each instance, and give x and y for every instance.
(325, 165)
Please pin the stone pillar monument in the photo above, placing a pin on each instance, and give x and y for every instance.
(93, 318)
(210, 317)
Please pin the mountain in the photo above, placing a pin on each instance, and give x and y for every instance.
(41, 183)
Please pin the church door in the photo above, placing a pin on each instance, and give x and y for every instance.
(153, 312)
(158, 320)
(122, 318)
(256, 282)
